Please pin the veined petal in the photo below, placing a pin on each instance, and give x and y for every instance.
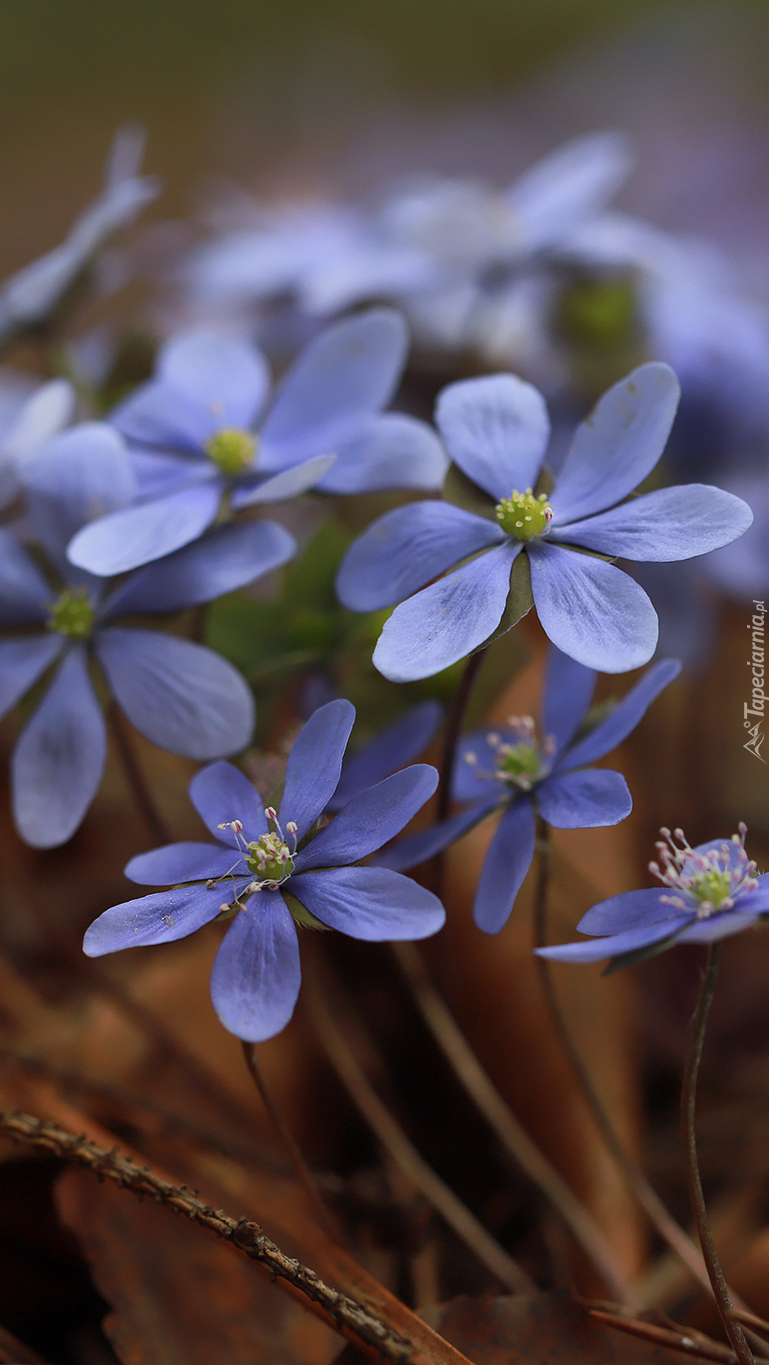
(347, 373)
(395, 746)
(25, 594)
(82, 474)
(289, 483)
(256, 976)
(22, 662)
(717, 926)
(591, 610)
(125, 540)
(624, 717)
(406, 548)
(220, 794)
(223, 374)
(628, 910)
(584, 800)
(505, 866)
(569, 688)
(448, 620)
(496, 429)
(182, 696)
(315, 763)
(185, 862)
(59, 758)
(417, 848)
(618, 445)
(669, 524)
(598, 948)
(160, 918)
(371, 819)
(390, 451)
(370, 903)
(220, 562)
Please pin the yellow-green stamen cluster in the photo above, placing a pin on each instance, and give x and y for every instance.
(233, 450)
(520, 761)
(72, 614)
(524, 515)
(269, 857)
(704, 882)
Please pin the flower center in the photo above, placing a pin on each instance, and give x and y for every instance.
(72, 614)
(232, 449)
(523, 515)
(270, 858)
(519, 761)
(705, 882)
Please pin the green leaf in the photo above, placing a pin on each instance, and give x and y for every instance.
(641, 954)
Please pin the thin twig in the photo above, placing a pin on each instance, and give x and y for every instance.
(392, 1137)
(694, 1345)
(353, 1319)
(502, 1120)
(134, 776)
(696, 1197)
(453, 729)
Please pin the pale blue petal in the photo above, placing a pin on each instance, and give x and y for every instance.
(624, 717)
(370, 903)
(406, 548)
(476, 763)
(59, 758)
(156, 415)
(80, 475)
(228, 376)
(391, 451)
(718, 926)
(618, 445)
(496, 429)
(220, 794)
(591, 610)
(25, 594)
(628, 910)
(315, 764)
(598, 948)
(222, 561)
(584, 800)
(184, 862)
(182, 696)
(417, 848)
(371, 819)
(256, 977)
(669, 524)
(289, 483)
(505, 866)
(570, 185)
(396, 745)
(349, 372)
(448, 620)
(160, 918)
(22, 662)
(125, 540)
(569, 688)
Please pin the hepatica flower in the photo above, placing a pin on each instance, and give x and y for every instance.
(203, 445)
(707, 893)
(182, 696)
(496, 430)
(268, 868)
(514, 771)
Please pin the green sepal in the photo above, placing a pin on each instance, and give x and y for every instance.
(520, 598)
(642, 954)
(301, 915)
(229, 913)
(462, 492)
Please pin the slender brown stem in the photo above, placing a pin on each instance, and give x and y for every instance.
(140, 791)
(691, 1343)
(301, 1169)
(454, 728)
(696, 1197)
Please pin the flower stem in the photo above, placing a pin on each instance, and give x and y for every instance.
(688, 1099)
(454, 727)
(134, 776)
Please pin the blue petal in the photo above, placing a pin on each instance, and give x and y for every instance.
(505, 866)
(184, 862)
(58, 761)
(315, 763)
(289, 483)
(591, 610)
(406, 548)
(127, 539)
(25, 595)
(390, 451)
(569, 688)
(256, 977)
(348, 372)
(569, 186)
(222, 561)
(627, 911)
(718, 926)
(624, 717)
(618, 445)
(669, 524)
(161, 918)
(78, 476)
(221, 793)
(496, 429)
(448, 620)
(371, 819)
(370, 903)
(584, 800)
(396, 745)
(155, 415)
(599, 948)
(180, 695)
(22, 662)
(475, 765)
(417, 848)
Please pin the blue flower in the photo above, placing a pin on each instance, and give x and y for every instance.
(394, 747)
(707, 893)
(496, 430)
(193, 432)
(508, 770)
(270, 867)
(28, 421)
(182, 696)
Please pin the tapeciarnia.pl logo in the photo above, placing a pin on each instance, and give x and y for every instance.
(753, 711)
